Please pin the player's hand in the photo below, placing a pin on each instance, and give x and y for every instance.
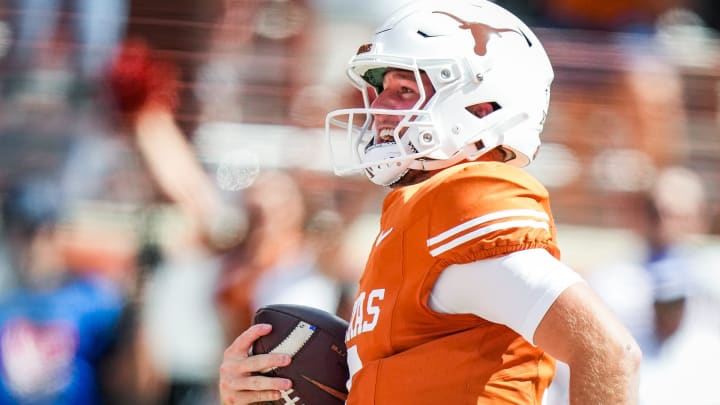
(139, 80)
(238, 383)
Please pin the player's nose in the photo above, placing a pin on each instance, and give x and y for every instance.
(384, 102)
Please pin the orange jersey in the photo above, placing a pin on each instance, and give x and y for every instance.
(402, 352)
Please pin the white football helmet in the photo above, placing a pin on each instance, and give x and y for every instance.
(473, 51)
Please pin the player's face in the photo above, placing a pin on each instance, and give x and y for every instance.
(400, 91)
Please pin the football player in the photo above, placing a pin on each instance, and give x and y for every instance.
(464, 299)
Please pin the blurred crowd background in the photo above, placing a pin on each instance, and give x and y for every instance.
(163, 173)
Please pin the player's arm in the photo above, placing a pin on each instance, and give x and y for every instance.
(550, 305)
(144, 89)
(603, 357)
(238, 383)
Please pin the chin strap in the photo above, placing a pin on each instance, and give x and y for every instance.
(472, 151)
(436, 164)
(393, 168)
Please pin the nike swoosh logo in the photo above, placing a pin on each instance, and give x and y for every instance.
(330, 390)
(382, 236)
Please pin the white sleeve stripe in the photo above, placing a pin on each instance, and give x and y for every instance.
(487, 218)
(520, 223)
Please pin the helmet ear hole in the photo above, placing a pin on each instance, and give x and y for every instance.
(483, 109)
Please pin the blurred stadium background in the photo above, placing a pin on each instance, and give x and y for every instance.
(637, 91)
(260, 75)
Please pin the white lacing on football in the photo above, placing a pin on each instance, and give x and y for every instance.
(288, 400)
(294, 341)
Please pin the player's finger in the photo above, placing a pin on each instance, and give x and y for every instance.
(242, 343)
(234, 366)
(249, 397)
(256, 383)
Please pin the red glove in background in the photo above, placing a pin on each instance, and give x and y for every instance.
(140, 80)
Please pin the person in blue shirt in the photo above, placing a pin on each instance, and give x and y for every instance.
(57, 324)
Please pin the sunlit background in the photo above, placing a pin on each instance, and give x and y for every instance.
(192, 221)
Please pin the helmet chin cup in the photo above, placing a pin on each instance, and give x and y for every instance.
(385, 167)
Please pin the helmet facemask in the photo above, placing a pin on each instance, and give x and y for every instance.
(416, 141)
(388, 161)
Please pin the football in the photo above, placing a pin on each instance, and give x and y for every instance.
(316, 341)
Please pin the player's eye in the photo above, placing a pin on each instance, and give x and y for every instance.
(406, 90)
